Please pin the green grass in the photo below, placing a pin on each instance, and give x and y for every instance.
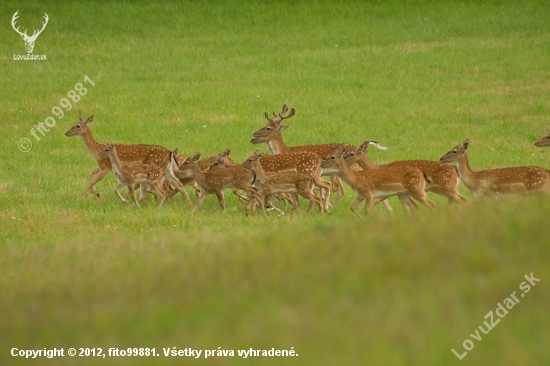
(417, 76)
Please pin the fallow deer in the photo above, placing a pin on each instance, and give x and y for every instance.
(498, 182)
(283, 182)
(404, 182)
(132, 174)
(216, 181)
(144, 154)
(443, 177)
(271, 134)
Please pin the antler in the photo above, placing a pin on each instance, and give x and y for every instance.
(36, 33)
(13, 19)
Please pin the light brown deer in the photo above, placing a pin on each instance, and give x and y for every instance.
(404, 182)
(216, 181)
(145, 154)
(132, 174)
(271, 134)
(283, 182)
(544, 141)
(443, 177)
(303, 162)
(171, 179)
(498, 182)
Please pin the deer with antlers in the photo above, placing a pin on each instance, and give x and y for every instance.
(144, 154)
(283, 182)
(443, 177)
(29, 40)
(498, 182)
(271, 134)
(148, 176)
(405, 182)
(217, 180)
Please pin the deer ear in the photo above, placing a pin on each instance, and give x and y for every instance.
(176, 151)
(80, 119)
(281, 127)
(90, 119)
(466, 143)
(363, 146)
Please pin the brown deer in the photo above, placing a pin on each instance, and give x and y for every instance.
(544, 141)
(498, 182)
(271, 134)
(301, 162)
(171, 179)
(132, 174)
(144, 154)
(283, 182)
(216, 181)
(443, 177)
(404, 182)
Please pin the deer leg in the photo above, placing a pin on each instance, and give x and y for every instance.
(338, 187)
(268, 199)
(159, 192)
(385, 202)
(295, 201)
(423, 199)
(133, 193)
(179, 187)
(97, 178)
(199, 201)
(221, 200)
(354, 205)
(117, 191)
(143, 189)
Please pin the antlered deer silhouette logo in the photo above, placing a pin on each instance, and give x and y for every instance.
(29, 40)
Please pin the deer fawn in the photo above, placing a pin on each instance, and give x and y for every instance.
(304, 162)
(131, 174)
(443, 177)
(216, 181)
(271, 134)
(497, 182)
(171, 179)
(404, 182)
(283, 182)
(145, 154)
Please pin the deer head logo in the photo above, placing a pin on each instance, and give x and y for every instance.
(29, 40)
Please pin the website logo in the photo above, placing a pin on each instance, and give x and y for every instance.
(29, 40)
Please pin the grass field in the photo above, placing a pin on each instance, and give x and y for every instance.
(392, 289)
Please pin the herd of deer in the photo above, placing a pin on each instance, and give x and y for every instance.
(297, 170)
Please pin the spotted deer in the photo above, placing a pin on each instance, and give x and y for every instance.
(443, 178)
(144, 154)
(404, 182)
(132, 174)
(301, 162)
(216, 181)
(271, 134)
(498, 182)
(283, 182)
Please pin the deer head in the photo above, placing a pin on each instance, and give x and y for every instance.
(80, 128)
(29, 40)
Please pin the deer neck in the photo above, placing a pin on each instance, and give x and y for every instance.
(116, 164)
(93, 146)
(465, 173)
(366, 163)
(276, 144)
(346, 173)
(260, 172)
(199, 175)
